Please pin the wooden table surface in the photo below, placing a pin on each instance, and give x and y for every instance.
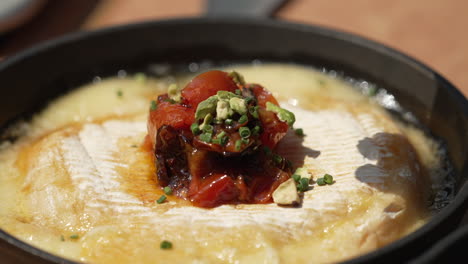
(432, 31)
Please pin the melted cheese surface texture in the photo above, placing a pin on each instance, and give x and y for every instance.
(78, 184)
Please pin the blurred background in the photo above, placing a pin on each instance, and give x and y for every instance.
(432, 31)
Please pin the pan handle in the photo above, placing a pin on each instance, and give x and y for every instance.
(243, 8)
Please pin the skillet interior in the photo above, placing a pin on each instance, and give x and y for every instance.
(42, 73)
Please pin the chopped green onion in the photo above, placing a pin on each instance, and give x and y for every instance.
(119, 93)
(153, 105)
(224, 141)
(327, 178)
(161, 199)
(321, 181)
(243, 119)
(238, 91)
(245, 141)
(299, 132)
(238, 144)
(206, 137)
(296, 177)
(165, 245)
(244, 132)
(303, 185)
(253, 110)
(277, 159)
(256, 130)
(195, 129)
(167, 190)
(75, 236)
(208, 128)
(221, 134)
(249, 99)
(228, 121)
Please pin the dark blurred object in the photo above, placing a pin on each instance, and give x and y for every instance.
(242, 8)
(54, 19)
(14, 13)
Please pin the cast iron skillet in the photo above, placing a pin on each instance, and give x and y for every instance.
(36, 76)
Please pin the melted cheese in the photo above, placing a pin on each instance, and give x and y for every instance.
(89, 179)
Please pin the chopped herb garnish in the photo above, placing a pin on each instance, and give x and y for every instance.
(119, 93)
(256, 130)
(296, 177)
(303, 185)
(74, 236)
(249, 99)
(153, 105)
(224, 141)
(195, 129)
(245, 141)
(229, 122)
(321, 181)
(299, 132)
(328, 178)
(253, 110)
(238, 144)
(208, 128)
(221, 134)
(171, 101)
(244, 132)
(321, 82)
(243, 119)
(165, 245)
(168, 190)
(238, 92)
(206, 137)
(277, 159)
(161, 199)
(372, 91)
(62, 238)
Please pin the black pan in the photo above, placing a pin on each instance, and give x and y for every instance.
(42, 73)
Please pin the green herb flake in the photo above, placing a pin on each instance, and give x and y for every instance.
(195, 129)
(208, 128)
(253, 110)
(161, 199)
(221, 134)
(328, 179)
(245, 141)
(277, 159)
(74, 236)
(303, 185)
(238, 92)
(296, 177)
(229, 122)
(299, 132)
(321, 181)
(168, 190)
(165, 245)
(153, 105)
(256, 130)
(224, 141)
(238, 144)
(243, 119)
(249, 99)
(244, 132)
(62, 238)
(206, 137)
(119, 93)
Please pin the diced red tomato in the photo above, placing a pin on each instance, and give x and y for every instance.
(175, 115)
(215, 190)
(263, 96)
(206, 85)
